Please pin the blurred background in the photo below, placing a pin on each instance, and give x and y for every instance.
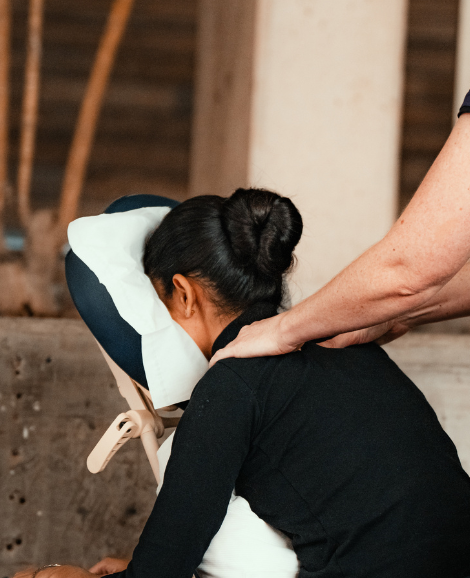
(343, 106)
(143, 135)
(178, 113)
(144, 129)
(170, 89)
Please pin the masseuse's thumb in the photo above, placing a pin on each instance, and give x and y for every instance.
(218, 356)
(261, 338)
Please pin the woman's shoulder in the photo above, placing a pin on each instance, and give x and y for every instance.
(226, 377)
(248, 377)
(259, 373)
(222, 391)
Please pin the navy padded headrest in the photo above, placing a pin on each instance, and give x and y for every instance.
(119, 339)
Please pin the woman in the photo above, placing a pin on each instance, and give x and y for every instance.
(417, 274)
(334, 447)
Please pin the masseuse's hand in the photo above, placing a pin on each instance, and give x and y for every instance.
(109, 566)
(256, 340)
(381, 334)
(57, 572)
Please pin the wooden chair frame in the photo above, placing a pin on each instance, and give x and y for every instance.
(141, 421)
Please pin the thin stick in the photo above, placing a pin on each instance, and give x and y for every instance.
(86, 124)
(4, 86)
(30, 109)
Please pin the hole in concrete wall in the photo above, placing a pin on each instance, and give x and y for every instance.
(18, 542)
(18, 364)
(48, 359)
(131, 511)
(15, 494)
(15, 453)
(19, 395)
(82, 511)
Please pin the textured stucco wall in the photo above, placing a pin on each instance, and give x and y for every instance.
(57, 397)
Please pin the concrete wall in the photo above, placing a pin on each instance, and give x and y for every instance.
(58, 397)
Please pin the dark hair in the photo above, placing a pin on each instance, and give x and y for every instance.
(240, 246)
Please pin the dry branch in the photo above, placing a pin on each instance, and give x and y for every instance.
(86, 124)
(30, 109)
(5, 23)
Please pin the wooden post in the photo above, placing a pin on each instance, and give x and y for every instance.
(4, 85)
(224, 92)
(30, 109)
(86, 124)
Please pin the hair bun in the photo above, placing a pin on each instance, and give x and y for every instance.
(263, 229)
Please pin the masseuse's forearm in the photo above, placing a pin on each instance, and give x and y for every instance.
(426, 247)
(363, 295)
(451, 302)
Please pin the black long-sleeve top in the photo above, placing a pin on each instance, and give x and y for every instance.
(336, 448)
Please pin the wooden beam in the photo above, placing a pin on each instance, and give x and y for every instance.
(5, 23)
(91, 105)
(30, 109)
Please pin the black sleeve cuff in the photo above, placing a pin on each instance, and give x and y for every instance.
(465, 105)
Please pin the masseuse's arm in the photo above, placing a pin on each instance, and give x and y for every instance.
(210, 446)
(426, 247)
(451, 302)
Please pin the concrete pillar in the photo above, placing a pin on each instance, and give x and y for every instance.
(304, 97)
(462, 63)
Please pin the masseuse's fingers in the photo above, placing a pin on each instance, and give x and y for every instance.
(257, 340)
(356, 337)
(395, 332)
(381, 334)
(109, 566)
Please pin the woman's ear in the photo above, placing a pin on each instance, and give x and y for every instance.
(185, 296)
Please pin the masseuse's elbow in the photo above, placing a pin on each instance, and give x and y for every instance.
(415, 290)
